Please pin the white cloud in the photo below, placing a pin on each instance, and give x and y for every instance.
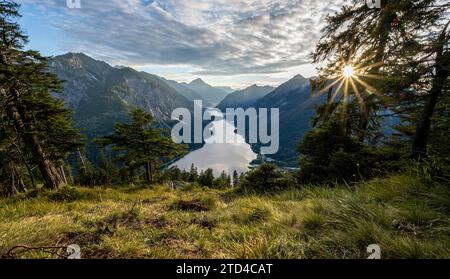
(219, 37)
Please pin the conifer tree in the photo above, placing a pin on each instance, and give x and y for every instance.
(140, 144)
(378, 43)
(207, 178)
(400, 56)
(440, 81)
(193, 174)
(40, 121)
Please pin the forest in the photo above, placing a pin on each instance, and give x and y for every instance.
(357, 183)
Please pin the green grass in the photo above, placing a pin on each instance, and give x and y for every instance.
(405, 216)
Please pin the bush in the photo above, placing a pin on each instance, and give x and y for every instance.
(433, 168)
(266, 178)
(328, 157)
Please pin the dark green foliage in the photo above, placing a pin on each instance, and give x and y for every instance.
(402, 75)
(329, 156)
(193, 174)
(140, 145)
(206, 178)
(265, 179)
(102, 95)
(175, 174)
(223, 181)
(40, 125)
(106, 173)
(434, 168)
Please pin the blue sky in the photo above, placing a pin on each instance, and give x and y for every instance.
(225, 42)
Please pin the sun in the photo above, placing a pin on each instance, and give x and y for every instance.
(348, 71)
(352, 80)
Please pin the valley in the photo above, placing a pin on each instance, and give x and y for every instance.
(102, 95)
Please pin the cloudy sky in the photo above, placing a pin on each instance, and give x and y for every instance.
(225, 42)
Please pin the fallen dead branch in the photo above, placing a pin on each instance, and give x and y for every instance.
(12, 253)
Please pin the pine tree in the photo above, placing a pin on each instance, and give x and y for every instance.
(206, 178)
(439, 81)
(378, 43)
(265, 178)
(400, 55)
(40, 121)
(193, 174)
(10, 161)
(141, 145)
(223, 181)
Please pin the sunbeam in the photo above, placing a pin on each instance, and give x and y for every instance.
(350, 80)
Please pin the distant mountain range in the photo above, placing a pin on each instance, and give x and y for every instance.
(245, 98)
(102, 95)
(227, 89)
(184, 90)
(297, 107)
(212, 95)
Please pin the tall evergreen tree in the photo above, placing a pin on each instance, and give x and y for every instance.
(439, 81)
(394, 53)
(40, 121)
(141, 145)
(206, 178)
(374, 42)
(193, 174)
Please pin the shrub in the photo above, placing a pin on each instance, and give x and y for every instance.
(433, 168)
(266, 178)
(328, 157)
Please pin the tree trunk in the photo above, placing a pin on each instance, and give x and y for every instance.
(20, 184)
(29, 169)
(442, 66)
(13, 191)
(420, 143)
(52, 179)
(329, 101)
(384, 29)
(149, 172)
(63, 173)
(82, 161)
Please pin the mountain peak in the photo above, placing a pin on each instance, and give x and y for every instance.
(299, 76)
(75, 55)
(80, 60)
(198, 81)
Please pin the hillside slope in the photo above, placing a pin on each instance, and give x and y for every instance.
(297, 107)
(101, 95)
(401, 214)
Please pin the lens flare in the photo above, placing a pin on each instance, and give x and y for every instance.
(352, 80)
(348, 71)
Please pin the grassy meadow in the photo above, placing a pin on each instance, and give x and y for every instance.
(407, 216)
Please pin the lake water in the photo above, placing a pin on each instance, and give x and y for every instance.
(234, 154)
